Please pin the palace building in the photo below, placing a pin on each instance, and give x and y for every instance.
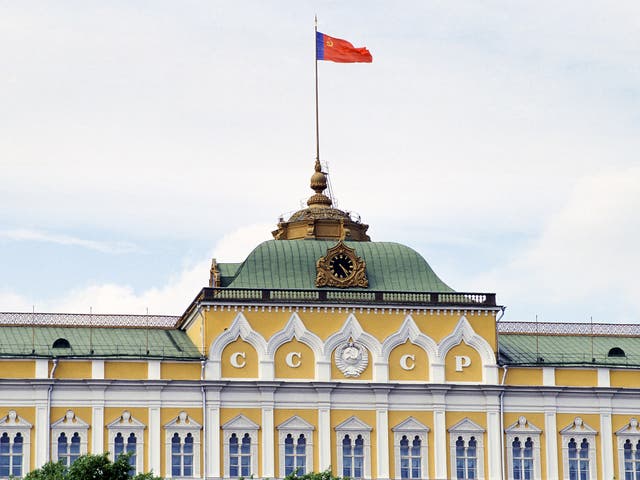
(323, 349)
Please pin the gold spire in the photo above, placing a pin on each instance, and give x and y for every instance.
(321, 220)
(318, 185)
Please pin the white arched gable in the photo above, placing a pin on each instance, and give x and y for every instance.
(464, 332)
(294, 328)
(410, 331)
(352, 329)
(239, 328)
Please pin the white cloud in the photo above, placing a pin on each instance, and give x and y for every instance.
(587, 253)
(172, 298)
(22, 234)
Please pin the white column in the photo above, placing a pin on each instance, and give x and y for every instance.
(213, 442)
(606, 437)
(153, 369)
(42, 434)
(548, 376)
(494, 446)
(97, 430)
(268, 447)
(551, 435)
(325, 439)
(154, 440)
(439, 436)
(97, 369)
(382, 433)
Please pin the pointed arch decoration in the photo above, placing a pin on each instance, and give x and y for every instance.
(352, 329)
(295, 328)
(463, 331)
(410, 331)
(239, 328)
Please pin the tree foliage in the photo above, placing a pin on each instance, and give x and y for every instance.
(326, 475)
(89, 467)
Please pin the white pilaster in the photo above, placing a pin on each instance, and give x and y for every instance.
(268, 435)
(494, 446)
(548, 376)
(382, 433)
(42, 435)
(212, 469)
(439, 436)
(42, 368)
(606, 437)
(97, 369)
(97, 430)
(324, 428)
(551, 436)
(604, 380)
(436, 373)
(154, 440)
(153, 370)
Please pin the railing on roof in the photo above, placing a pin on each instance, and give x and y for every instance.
(347, 297)
(547, 328)
(88, 320)
(559, 358)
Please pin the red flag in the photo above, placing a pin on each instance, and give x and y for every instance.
(340, 51)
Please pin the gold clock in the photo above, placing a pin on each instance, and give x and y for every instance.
(341, 267)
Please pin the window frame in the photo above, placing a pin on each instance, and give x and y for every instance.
(578, 430)
(631, 432)
(353, 427)
(411, 428)
(522, 429)
(12, 424)
(240, 425)
(69, 424)
(466, 429)
(295, 426)
(182, 424)
(126, 425)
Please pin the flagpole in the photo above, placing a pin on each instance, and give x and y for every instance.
(317, 121)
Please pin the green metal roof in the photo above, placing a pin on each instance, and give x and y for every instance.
(291, 264)
(516, 349)
(105, 342)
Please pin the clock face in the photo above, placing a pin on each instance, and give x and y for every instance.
(341, 265)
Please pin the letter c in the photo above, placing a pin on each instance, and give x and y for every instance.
(404, 359)
(462, 361)
(234, 359)
(289, 359)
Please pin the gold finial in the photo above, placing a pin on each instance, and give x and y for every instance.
(318, 185)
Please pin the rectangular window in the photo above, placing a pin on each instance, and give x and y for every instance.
(466, 459)
(410, 457)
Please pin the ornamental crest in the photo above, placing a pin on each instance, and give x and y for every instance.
(341, 268)
(352, 359)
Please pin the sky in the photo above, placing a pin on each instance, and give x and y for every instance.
(499, 139)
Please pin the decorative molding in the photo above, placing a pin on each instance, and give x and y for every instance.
(12, 424)
(351, 329)
(353, 424)
(578, 430)
(183, 425)
(240, 425)
(295, 426)
(410, 331)
(69, 424)
(522, 430)
(326, 277)
(295, 423)
(295, 328)
(411, 428)
(467, 428)
(353, 427)
(463, 331)
(351, 359)
(125, 424)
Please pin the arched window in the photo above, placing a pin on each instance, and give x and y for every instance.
(240, 447)
(11, 455)
(68, 451)
(295, 446)
(126, 435)
(295, 454)
(578, 459)
(61, 343)
(522, 457)
(629, 450)
(616, 352)
(466, 458)
(353, 457)
(410, 457)
(182, 455)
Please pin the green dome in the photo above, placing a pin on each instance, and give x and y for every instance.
(291, 264)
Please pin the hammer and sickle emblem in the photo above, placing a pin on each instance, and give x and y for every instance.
(329, 43)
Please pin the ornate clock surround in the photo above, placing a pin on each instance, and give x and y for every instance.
(352, 269)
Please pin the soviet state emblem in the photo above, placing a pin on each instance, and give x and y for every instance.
(352, 359)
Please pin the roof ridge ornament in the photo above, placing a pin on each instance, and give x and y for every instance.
(321, 220)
